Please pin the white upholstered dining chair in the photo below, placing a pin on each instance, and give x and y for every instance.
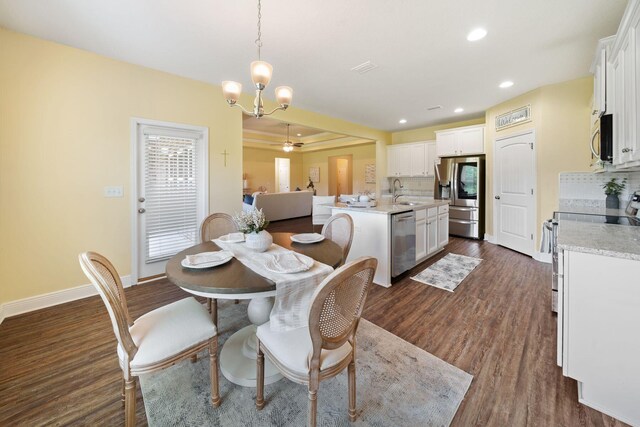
(156, 340)
(212, 227)
(339, 229)
(327, 345)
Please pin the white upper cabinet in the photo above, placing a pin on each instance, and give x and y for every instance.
(622, 98)
(418, 166)
(460, 141)
(398, 160)
(600, 70)
(414, 159)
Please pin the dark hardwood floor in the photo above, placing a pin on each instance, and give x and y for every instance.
(59, 366)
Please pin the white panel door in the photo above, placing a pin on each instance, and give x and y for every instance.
(283, 174)
(514, 199)
(171, 193)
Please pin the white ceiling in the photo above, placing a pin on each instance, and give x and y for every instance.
(420, 47)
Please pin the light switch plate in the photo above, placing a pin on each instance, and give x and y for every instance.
(113, 191)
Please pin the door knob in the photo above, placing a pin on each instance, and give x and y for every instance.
(142, 210)
(497, 197)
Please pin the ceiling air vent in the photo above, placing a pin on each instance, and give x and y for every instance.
(365, 67)
(435, 107)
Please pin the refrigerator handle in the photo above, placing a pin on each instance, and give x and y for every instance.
(454, 183)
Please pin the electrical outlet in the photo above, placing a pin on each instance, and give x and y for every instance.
(113, 191)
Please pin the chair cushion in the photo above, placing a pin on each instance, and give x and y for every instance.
(169, 330)
(293, 349)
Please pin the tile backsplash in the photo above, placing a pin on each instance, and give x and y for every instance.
(412, 186)
(585, 188)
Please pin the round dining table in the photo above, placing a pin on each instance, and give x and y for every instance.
(233, 280)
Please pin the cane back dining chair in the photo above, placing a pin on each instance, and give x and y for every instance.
(339, 229)
(214, 226)
(327, 345)
(156, 340)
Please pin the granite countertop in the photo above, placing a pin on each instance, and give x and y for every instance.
(592, 210)
(390, 209)
(618, 241)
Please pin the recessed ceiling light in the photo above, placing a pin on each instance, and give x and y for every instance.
(458, 110)
(299, 134)
(506, 84)
(477, 34)
(402, 121)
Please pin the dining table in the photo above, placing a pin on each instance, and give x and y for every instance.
(233, 280)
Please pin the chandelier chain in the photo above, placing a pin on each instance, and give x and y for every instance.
(259, 39)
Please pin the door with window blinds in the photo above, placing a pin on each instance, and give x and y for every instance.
(171, 197)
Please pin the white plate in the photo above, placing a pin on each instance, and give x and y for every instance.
(307, 238)
(226, 258)
(232, 238)
(289, 263)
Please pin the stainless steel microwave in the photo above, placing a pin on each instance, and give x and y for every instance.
(602, 140)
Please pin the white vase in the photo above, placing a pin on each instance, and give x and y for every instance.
(259, 242)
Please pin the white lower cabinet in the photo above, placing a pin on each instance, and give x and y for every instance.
(443, 230)
(421, 234)
(598, 332)
(432, 235)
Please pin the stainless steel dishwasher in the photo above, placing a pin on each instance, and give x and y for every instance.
(403, 242)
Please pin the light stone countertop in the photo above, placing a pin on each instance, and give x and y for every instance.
(618, 241)
(390, 209)
(592, 210)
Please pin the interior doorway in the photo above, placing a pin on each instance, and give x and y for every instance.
(514, 190)
(340, 175)
(283, 175)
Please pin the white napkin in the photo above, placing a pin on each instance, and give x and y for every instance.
(235, 236)
(208, 257)
(289, 262)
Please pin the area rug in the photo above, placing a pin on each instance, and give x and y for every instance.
(448, 272)
(398, 384)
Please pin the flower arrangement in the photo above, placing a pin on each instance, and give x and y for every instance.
(613, 188)
(251, 222)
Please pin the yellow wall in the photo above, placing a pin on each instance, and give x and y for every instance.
(259, 165)
(561, 119)
(362, 155)
(429, 133)
(65, 134)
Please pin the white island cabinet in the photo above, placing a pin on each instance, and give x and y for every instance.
(599, 315)
(372, 232)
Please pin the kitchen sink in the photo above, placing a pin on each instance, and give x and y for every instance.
(408, 203)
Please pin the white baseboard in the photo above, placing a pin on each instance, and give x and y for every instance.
(542, 257)
(25, 305)
(489, 238)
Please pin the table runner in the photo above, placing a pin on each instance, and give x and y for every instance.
(293, 291)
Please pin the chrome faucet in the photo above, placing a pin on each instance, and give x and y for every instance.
(395, 196)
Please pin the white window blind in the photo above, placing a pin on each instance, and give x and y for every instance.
(171, 193)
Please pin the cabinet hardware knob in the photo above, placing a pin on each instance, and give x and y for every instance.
(142, 210)
(141, 199)
(497, 197)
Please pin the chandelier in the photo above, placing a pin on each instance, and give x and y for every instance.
(287, 147)
(261, 75)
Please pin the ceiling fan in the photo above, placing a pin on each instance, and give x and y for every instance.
(288, 145)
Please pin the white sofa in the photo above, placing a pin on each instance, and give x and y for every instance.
(278, 206)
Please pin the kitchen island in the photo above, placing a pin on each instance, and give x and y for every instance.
(598, 316)
(373, 234)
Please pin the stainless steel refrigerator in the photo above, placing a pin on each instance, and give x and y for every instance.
(461, 180)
